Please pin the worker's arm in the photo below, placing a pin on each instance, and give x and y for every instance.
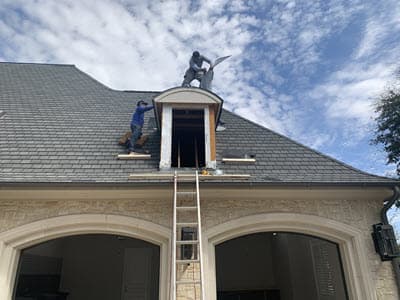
(144, 109)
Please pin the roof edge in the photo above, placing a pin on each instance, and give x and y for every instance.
(214, 183)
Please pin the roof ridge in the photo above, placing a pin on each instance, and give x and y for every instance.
(107, 87)
(36, 63)
(80, 71)
(94, 80)
(134, 91)
(307, 147)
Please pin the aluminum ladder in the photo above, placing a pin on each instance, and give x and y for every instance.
(187, 253)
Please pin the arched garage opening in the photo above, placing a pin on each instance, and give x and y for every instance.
(279, 266)
(15, 240)
(89, 266)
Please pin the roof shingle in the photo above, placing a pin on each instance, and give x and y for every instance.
(60, 125)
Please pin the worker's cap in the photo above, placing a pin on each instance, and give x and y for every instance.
(196, 53)
(141, 102)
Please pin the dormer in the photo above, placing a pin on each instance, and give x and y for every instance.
(187, 119)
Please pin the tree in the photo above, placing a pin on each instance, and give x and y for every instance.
(388, 124)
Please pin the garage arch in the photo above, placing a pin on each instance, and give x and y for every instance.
(349, 240)
(16, 239)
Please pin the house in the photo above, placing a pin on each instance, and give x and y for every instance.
(278, 220)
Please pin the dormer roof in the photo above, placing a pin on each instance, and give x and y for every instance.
(187, 97)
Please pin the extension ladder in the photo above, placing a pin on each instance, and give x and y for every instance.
(187, 251)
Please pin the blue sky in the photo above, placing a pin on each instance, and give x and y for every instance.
(310, 70)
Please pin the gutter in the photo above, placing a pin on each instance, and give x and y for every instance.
(230, 184)
(388, 203)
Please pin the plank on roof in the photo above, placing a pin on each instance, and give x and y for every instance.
(238, 160)
(134, 156)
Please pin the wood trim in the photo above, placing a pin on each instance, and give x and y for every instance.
(213, 155)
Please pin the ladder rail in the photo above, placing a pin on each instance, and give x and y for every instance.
(175, 242)
(199, 237)
(173, 266)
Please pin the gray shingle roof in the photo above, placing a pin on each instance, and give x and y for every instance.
(60, 125)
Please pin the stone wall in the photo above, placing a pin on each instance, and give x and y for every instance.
(359, 208)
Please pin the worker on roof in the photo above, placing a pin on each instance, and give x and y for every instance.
(137, 124)
(195, 71)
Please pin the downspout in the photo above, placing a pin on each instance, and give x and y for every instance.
(387, 205)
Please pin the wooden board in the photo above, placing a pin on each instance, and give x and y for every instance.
(239, 160)
(134, 155)
(201, 177)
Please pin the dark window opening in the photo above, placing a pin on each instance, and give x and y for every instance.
(188, 142)
(279, 266)
(93, 266)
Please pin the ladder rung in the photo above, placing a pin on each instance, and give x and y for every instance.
(188, 282)
(187, 261)
(186, 207)
(185, 176)
(188, 242)
(186, 193)
(187, 224)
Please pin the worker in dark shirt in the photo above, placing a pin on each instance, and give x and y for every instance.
(137, 124)
(195, 71)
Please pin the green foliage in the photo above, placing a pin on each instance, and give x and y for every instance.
(388, 126)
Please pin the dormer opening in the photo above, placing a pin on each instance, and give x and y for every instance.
(188, 138)
(187, 119)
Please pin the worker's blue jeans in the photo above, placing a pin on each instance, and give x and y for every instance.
(136, 134)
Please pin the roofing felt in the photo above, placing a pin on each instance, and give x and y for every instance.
(59, 125)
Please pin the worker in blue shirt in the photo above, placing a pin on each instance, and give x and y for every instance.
(137, 124)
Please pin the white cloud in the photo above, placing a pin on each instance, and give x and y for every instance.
(349, 96)
(296, 30)
(381, 24)
(373, 32)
